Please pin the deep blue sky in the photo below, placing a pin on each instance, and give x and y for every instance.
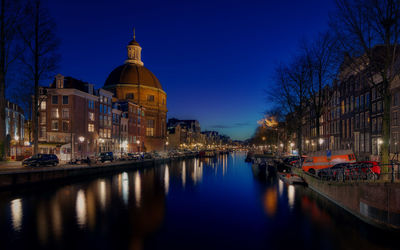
(214, 58)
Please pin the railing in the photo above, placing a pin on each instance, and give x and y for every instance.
(363, 172)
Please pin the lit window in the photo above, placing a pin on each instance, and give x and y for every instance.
(43, 105)
(54, 113)
(65, 126)
(129, 96)
(65, 113)
(91, 127)
(91, 116)
(150, 98)
(54, 125)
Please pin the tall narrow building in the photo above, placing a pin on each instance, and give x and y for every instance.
(134, 82)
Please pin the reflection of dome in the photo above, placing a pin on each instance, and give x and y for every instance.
(132, 74)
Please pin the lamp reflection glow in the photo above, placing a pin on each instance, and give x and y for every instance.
(125, 188)
(166, 179)
(16, 214)
(81, 209)
(183, 173)
(280, 187)
(291, 194)
(138, 189)
(102, 193)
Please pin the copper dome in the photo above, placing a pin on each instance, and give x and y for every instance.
(132, 74)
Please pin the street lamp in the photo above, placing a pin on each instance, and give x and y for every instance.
(138, 143)
(166, 145)
(321, 141)
(81, 140)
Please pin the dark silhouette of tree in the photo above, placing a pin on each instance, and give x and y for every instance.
(369, 31)
(41, 58)
(10, 16)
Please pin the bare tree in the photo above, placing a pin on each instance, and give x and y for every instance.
(40, 59)
(369, 31)
(10, 14)
(290, 93)
(321, 60)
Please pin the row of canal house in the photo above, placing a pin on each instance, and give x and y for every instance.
(352, 117)
(76, 120)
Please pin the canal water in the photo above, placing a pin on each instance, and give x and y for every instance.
(221, 203)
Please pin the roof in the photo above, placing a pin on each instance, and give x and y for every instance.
(130, 73)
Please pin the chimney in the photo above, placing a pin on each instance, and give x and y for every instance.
(59, 81)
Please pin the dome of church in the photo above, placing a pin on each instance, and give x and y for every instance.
(130, 73)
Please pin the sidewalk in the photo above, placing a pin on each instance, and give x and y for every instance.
(9, 165)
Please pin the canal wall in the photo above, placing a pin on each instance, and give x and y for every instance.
(377, 203)
(29, 176)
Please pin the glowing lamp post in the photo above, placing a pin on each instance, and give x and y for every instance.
(81, 140)
(138, 143)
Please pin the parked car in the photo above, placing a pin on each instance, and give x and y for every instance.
(41, 160)
(358, 170)
(134, 156)
(106, 156)
(147, 156)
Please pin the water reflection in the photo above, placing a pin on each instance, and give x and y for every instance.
(16, 214)
(212, 198)
(183, 174)
(125, 188)
(102, 194)
(138, 189)
(81, 208)
(291, 194)
(166, 179)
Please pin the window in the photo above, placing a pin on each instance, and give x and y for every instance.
(367, 100)
(65, 113)
(362, 102)
(357, 102)
(129, 96)
(91, 127)
(101, 108)
(43, 105)
(101, 120)
(65, 126)
(91, 116)
(65, 99)
(379, 125)
(54, 99)
(109, 110)
(395, 121)
(91, 104)
(367, 120)
(342, 106)
(150, 98)
(54, 125)
(379, 106)
(374, 125)
(150, 127)
(362, 149)
(101, 132)
(373, 94)
(43, 118)
(42, 132)
(396, 99)
(54, 113)
(362, 120)
(357, 121)
(109, 133)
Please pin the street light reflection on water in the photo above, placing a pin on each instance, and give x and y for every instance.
(169, 205)
(16, 214)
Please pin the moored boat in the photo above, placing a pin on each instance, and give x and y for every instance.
(290, 178)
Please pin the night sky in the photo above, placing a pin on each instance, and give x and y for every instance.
(214, 58)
